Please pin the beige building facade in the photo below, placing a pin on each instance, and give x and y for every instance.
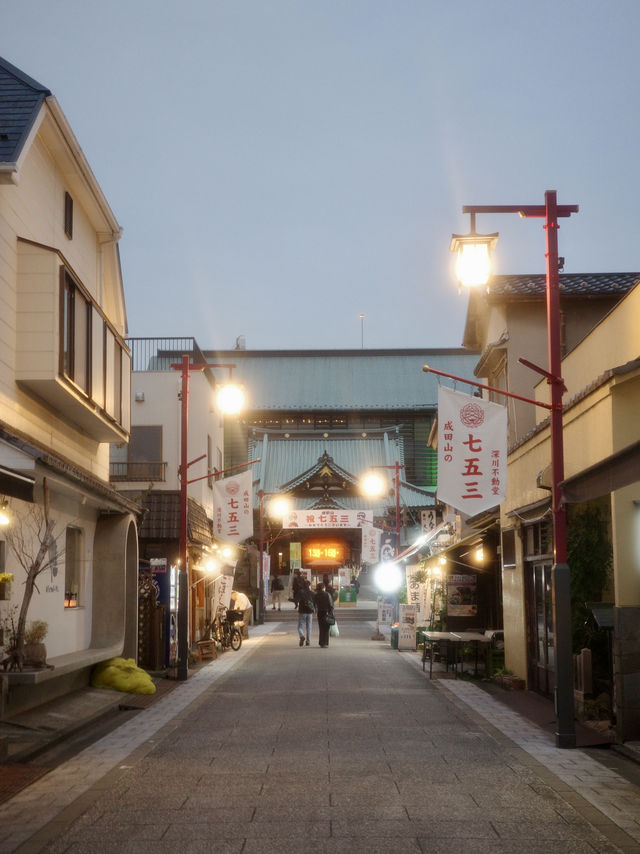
(601, 432)
(64, 395)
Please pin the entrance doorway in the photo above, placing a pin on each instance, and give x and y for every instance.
(541, 638)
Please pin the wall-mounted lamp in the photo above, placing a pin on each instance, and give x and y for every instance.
(5, 518)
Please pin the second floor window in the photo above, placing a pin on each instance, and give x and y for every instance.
(92, 356)
(68, 215)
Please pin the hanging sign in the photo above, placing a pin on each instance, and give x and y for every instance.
(328, 519)
(472, 451)
(417, 593)
(462, 597)
(407, 626)
(232, 510)
(370, 544)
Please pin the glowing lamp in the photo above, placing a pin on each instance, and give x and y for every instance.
(388, 577)
(373, 484)
(230, 398)
(473, 264)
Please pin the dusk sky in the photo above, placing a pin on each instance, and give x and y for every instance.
(281, 167)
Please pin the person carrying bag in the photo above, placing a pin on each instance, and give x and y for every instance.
(326, 618)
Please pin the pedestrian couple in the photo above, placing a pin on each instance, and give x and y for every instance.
(309, 604)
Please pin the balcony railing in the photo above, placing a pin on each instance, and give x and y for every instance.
(158, 354)
(137, 471)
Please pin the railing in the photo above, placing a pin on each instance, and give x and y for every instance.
(158, 354)
(138, 471)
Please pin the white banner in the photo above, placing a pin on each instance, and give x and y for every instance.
(385, 613)
(232, 510)
(266, 572)
(472, 451)
(370, 544)
(417, 594)
(328, 519)
(222, 587)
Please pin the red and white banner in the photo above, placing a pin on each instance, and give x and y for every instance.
(472, 451)
(232, 510)
(370, 544)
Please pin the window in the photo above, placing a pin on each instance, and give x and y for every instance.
(145, 454)
(508, 548)
(92, 356)
(539, 539)
(76, 334)
(68, 215)
(73, 567)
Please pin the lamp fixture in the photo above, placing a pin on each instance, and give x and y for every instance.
(5, 518)
(473, 264)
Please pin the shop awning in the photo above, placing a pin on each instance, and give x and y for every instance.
(16, 485)
(614, 472)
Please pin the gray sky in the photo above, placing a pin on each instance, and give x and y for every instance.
(281, 167)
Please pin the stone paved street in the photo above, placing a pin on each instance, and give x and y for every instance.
(349, 749)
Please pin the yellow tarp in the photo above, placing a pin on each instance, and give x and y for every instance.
(122, 674)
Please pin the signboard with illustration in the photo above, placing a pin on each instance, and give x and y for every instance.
(407, 626)
(462, 598)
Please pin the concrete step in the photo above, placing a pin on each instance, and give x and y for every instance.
(344, 614)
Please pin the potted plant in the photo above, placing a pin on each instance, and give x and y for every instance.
(506, 678)
(35, 652)
(6, 579)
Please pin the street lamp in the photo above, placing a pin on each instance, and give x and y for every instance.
(278, 506)
(560, 576)
(185, 367)
(372, 484)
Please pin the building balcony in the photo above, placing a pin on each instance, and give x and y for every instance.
(143, 472)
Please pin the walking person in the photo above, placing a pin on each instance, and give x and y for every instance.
(296, 584)
(306, 608)
(324, 607)
(276, 592)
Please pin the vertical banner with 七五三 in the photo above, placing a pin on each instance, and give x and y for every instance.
(472, 451)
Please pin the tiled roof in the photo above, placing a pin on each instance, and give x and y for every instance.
(161, 520)
(284, 460)
(20, 100)
(318, 380)
(571, 284)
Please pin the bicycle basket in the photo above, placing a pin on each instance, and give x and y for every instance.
(234, 616)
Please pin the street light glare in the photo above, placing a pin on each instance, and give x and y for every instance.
(388, 577)
(473, 264)
(279, 506)
(231, 398)
(373, 484)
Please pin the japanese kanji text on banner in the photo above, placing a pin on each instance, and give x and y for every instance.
(472, 451)
(232, 511)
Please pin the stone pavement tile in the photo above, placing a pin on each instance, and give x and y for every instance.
(139, 846)
(359, 799)
(357, 768)
(453, 829)
(250, 830)
(492, 846)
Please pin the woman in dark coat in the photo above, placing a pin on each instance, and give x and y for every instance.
(324, 607)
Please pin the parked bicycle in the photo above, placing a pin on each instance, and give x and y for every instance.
(224, 630)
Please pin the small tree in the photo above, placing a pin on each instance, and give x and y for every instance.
(30, 539)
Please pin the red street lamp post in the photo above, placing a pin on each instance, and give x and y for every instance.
(284, 505)
(560, 577)
(185, 366)
(372, 486)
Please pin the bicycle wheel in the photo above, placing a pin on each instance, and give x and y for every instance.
(236, 639)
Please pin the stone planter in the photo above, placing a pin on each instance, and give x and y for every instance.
(510, 683)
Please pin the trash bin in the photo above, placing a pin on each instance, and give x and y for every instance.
(394, 637)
